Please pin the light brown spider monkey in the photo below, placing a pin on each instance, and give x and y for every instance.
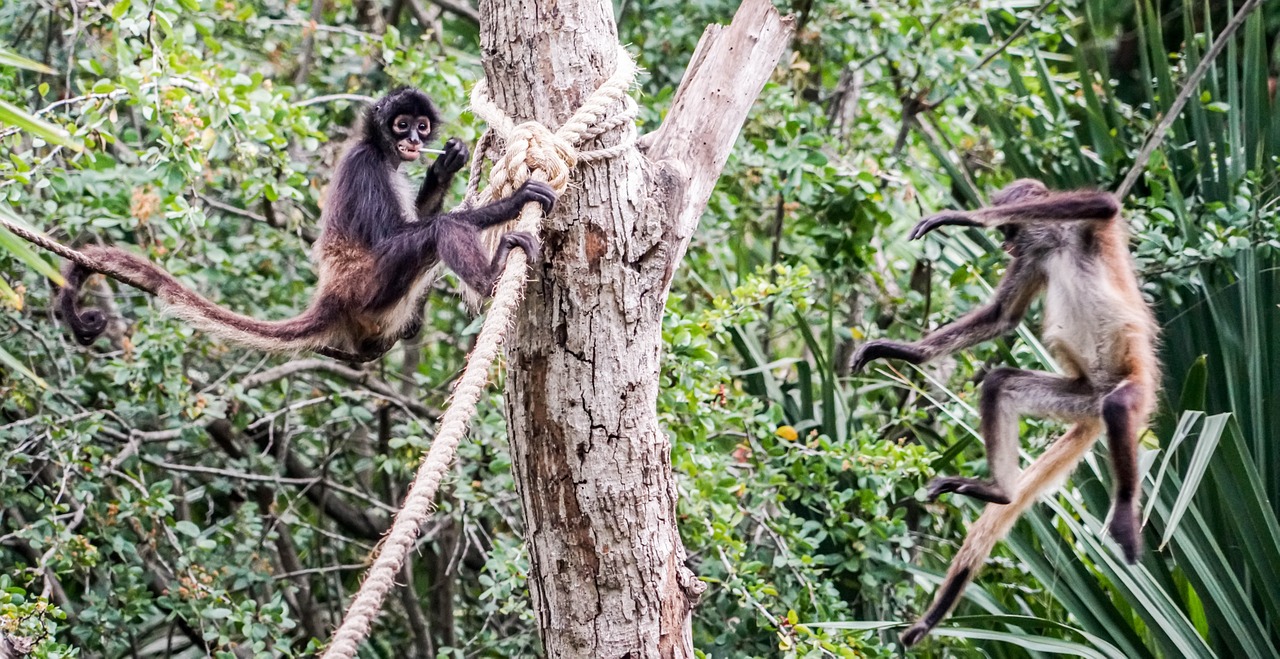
(373, 255)
(1073, 247)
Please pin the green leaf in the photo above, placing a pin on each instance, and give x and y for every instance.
(1025, 641)
(1210, 433)
(21, 119)
(7, 293)
(9, 58)
(23, 251)
(18, 367)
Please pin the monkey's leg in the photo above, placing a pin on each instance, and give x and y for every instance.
(400, 261)
(1007, 307)
(1007, 394)
(1122, 412)
(459, 247)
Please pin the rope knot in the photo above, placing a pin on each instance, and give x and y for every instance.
(532, 148)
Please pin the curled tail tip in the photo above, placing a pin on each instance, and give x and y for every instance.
(86, 326)
(915, 633)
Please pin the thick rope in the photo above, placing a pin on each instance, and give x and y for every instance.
(532, 151)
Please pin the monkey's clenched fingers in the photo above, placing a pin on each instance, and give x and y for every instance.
(881, 349)
(524, 241)
(454, 157)
(936, 220)
(537, 191)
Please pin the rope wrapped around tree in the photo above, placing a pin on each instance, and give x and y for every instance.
(531, 151)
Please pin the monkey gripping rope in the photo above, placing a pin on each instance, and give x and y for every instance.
(532, 151)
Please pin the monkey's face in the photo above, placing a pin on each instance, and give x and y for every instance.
(409, 132)
(400, 123)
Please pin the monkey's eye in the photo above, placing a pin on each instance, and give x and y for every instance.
(422, 127)
(402, 125)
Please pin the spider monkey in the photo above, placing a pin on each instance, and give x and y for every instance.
(1073, 247)
(377, 244)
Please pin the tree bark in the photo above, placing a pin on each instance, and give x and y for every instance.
(592, 464)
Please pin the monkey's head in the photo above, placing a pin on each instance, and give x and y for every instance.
(400, 123)
(1023, 189)
(1020, 190)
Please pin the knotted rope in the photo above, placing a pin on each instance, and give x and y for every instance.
(532, 151)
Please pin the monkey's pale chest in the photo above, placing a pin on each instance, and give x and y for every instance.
(1074, 330)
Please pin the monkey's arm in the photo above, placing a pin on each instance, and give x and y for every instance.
(1005, 310)
(1082, 206)
(505, 210)
(439, 177)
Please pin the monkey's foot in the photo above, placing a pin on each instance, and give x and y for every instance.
(1127, 532)
(972, 487)
(525, 241)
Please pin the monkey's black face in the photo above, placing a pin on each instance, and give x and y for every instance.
(400, 123)
(409, 132)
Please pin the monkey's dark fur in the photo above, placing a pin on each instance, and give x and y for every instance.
(1073, 248)
(375, 250)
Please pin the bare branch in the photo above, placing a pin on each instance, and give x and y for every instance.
(725, 75)
(1188, 89)
(365, 379)
(318, 481)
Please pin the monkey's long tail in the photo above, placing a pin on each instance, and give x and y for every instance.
(1046, 473)
(303, 332)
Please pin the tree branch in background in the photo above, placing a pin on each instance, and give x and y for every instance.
(458, 8)
(308, 234)
(366, 379)
(1188, 89)
(352, 518)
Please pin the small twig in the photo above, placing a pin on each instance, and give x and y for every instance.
(1010, 39)
(458, 8)
(294, 22)
(349, 567)
(259, 478)
(1175, 109)
(329, 98)
(364, 378)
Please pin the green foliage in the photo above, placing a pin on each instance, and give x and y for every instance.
(30, 623)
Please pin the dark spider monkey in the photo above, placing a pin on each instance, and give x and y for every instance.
(375, 249)
(1074, 248)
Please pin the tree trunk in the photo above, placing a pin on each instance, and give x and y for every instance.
(592, 464)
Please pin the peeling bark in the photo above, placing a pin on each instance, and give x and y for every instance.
(592, 465)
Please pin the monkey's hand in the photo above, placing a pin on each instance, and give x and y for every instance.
(955, 218)
(537, 191)
(454, 157)
(881, 349)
